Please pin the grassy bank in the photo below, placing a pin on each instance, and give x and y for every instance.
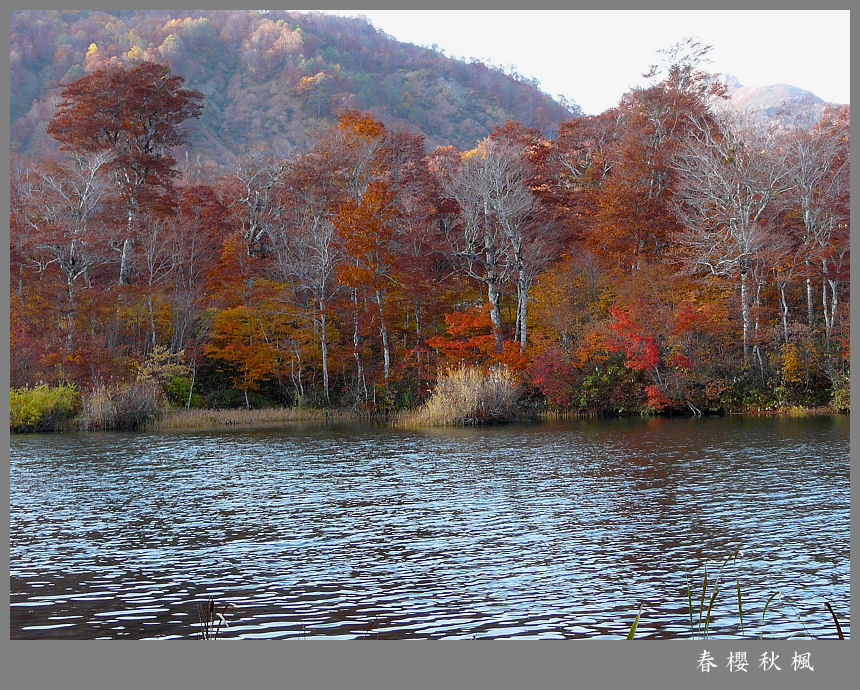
(462, 397)
(793, 411)
(188, 420)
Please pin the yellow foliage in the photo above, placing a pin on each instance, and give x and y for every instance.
(792, 366)
(161, 366)
(42, 408)
(134, 54)
(308, 83)
(92, 50)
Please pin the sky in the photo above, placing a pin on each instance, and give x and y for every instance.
(593, 56)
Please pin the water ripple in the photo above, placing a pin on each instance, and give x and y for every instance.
(554, 531)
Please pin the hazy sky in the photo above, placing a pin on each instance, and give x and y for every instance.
(592, 57)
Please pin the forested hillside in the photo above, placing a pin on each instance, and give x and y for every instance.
(270, 79)
(662, 256)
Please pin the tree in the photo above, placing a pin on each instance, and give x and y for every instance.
(728, 178)
(354, 148)
(818, 164)
(533, 231)
(490, 241)
(305, 248)
(254, 196)
(249, 332)
(134, 113)
(631, 220)
(368, 230)
(57, 206)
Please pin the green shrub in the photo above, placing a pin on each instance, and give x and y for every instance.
(470, 395)
(612, 388)
(177, 390)
(840, 396)
(43, 408)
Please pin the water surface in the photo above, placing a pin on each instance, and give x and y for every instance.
(550, 531)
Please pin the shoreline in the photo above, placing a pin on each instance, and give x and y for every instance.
(179, 420)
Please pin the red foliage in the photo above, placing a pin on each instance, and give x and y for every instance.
(555, 375)
(640, 350)
(657, 399)
(470, 336)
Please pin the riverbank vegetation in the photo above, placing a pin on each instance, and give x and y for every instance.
(187, 420)
(469, 396)
(662, 257)
(42, 408)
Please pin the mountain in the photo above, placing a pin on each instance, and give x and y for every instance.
(269, 77)
(775, 100)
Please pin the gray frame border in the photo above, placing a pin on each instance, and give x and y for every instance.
(398, 664)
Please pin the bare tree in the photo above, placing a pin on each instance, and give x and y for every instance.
(729, 174)
(58, 204)
(254, 196)
(495, 238)
(304, 247)
(819, 172)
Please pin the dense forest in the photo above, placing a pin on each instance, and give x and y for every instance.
(664, 255)
(270, 78)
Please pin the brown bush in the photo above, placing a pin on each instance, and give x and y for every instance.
(127, 407)
(469, 395)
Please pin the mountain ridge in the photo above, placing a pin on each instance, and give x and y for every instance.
(774, 100)
(269, 78)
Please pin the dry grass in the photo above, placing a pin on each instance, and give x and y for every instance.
(185, 420)
(124, 407)
(468, 396)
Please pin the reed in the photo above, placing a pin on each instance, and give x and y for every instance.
(196, 419)
(120, 407)
(468, 396)
(209, 629)
(633, 627)
(702, 608)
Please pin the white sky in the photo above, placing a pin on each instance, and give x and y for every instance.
(593, 56)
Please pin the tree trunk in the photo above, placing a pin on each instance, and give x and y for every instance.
(127, 244)
(810, 300)
(745, 316)
(756, 327)
(383, 330)
(151, 320)
(494, 297)
(191, 387)
(356, 343)
(834, 301)
(523, 310)
(299, 368)
(517, 317)
(825, 310)
(71, 308)
(125, 262)
(418, 338)
(324, 349)
(784, 311)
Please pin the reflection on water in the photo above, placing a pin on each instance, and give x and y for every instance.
(551, 531)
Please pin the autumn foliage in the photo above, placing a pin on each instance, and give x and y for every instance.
(599, 270)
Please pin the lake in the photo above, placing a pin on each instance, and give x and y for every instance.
(558, 530)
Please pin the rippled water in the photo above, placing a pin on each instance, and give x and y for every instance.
(548, 531)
